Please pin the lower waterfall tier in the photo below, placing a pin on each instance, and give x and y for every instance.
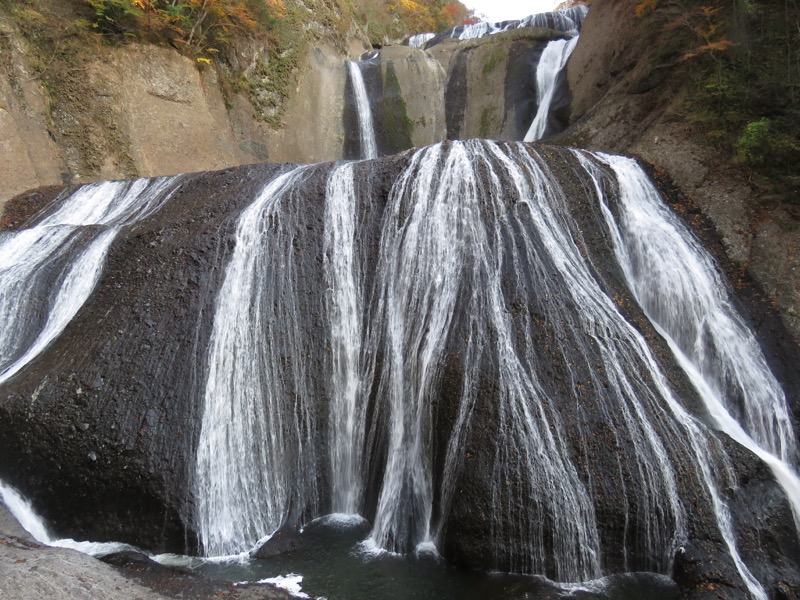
(514, 355)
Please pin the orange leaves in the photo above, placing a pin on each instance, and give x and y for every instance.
(705, 23)
(710, 11)
(433, 15)
(644, 6)
(276, 7)
(455, 13)
(718, 46)
(201, 24)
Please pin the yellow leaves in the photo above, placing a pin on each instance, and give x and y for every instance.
(418, 16)
(412, 6)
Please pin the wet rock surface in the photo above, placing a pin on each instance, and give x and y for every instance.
(102, 439)
(31, 571)
(625, 101)
(284, 540)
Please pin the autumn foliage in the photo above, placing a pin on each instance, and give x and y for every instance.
(200, 25)
(429, 15)
(742, 61)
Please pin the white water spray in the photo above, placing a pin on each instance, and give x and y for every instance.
(680, 290)
(253, 448)
(551, 64)
(31, 522)
(369, 145)
(345, 306)
(48, 271)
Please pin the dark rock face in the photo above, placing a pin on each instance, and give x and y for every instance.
(284, 540)
(521, 90)
(101, 430)
(505, 62)
(391, 124)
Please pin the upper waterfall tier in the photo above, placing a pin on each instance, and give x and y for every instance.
(568, 21)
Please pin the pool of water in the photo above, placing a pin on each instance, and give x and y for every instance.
(332, 560)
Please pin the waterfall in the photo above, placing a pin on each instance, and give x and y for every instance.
(567, 20)
(345, 310)
(681, 291)
(48, 271)
(372, 335)
(551, 64)
(419, 40)
(470, 230)
(478, 30)
(255, 456)
(369, 145)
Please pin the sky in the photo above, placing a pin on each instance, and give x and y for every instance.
(500, 10)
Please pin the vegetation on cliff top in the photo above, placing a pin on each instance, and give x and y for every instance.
(258, 45)
(743, 59)
(199, 24)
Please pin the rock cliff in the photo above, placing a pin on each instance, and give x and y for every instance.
(629, 92)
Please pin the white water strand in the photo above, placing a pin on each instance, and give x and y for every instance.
(419, 40)
(254, 448)
(437, 250)
(681, 291)
(568, 21)
(678, 285)
(440, 257)
(69, 247)
(595, 322)
(344, 307)
(31, 522)
(647, 239)
(552, 62)
(369, 145)
(418, 262)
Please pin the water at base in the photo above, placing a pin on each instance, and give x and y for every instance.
(34, 524)
(333, 564)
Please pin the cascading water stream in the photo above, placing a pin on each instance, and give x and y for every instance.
(552, 62)
(31, 522)
(255, 450)
(369, 145)
(681, 291)
(419, 40)
(345, 310)
(458, 220)
(567, 20)
(49, 270)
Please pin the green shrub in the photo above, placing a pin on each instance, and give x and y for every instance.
(753, 146)
(114, 16)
